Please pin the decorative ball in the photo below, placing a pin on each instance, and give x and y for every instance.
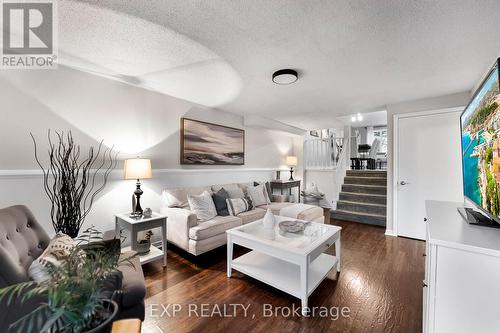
(147, 213)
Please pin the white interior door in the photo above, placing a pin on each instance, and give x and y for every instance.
(428, 167)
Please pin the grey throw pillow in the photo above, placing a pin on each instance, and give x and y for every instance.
(202, 205)
(220, 202)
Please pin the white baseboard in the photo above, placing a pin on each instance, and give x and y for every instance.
(389, 232)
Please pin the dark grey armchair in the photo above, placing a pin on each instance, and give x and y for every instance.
(22, 240)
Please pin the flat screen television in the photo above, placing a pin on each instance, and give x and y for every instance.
(480, 135)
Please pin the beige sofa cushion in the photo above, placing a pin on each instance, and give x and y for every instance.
(252, 215)
(213, 227)
(245, 185)
(198, 247)
(234, 190)
(276, 206)
(216, 188)
(311, 214)
(177, 197)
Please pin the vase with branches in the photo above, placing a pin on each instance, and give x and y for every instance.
(73, 179)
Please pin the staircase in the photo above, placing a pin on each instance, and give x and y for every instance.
(363, 197)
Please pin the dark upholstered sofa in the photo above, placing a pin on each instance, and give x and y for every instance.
(22, 240)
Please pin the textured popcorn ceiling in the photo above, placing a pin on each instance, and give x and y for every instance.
(136, 51)
(353, 56)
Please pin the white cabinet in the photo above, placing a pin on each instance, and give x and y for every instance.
(462, 273)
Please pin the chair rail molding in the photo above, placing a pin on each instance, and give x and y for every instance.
(117, 173)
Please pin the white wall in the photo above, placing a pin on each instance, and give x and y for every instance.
(137, 121)
(435, 103)
(327, 183)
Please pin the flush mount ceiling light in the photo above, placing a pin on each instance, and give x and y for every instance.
(285, 76)
(357, 117)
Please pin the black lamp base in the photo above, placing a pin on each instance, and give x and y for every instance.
(291, 174)
(138, 192)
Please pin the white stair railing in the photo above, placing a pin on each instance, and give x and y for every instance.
(323, 154)
(326, 162)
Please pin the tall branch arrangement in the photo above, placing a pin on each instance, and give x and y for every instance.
(73, 180)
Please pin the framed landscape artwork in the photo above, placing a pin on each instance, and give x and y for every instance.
(211, 144)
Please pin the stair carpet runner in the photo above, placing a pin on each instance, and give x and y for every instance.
(363, 197)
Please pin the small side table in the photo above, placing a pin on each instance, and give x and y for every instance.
(135, 225)
(286, 185)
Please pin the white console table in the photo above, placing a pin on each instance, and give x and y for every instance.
(462, 273)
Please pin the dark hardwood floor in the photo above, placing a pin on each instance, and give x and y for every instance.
(380, 282)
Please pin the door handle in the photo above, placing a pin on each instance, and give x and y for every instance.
(403, 183)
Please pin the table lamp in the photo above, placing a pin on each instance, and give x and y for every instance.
(291, 161)
(138, 168)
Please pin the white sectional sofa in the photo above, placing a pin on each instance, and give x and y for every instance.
(196, 237)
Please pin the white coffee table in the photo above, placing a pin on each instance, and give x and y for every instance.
(292, 263)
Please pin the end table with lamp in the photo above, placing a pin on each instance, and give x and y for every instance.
(286, 185)
(139, 220)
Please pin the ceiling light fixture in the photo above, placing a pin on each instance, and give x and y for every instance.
(285, 76)
(357, 117)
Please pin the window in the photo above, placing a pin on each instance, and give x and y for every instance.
(381, 134)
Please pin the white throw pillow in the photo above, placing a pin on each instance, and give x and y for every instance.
(237, 206)
(202, 205)
(267, 190)
(257, 194)
(175, 197)
(55, 254)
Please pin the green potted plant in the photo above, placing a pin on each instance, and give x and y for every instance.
(144, 245)
(78, 295)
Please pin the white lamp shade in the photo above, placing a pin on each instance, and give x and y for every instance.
(138, 168)
(291, 160)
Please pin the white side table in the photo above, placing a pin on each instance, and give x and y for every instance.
(135, 225)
